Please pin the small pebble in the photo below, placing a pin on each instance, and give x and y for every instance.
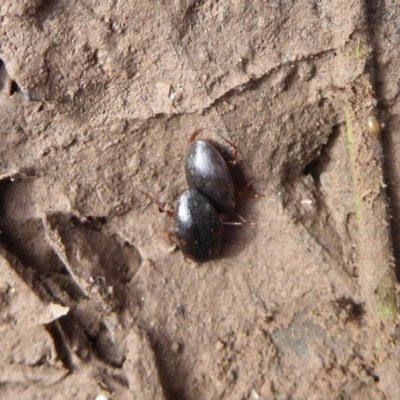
(373, 125)
(102, 397)
(176, 97)
(254, 395)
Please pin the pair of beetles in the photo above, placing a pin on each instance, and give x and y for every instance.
(198, 226)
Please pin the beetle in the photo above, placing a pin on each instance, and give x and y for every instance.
(198, 228)
(207, 171)
(198, 225)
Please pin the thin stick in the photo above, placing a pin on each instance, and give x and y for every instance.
(376, 264)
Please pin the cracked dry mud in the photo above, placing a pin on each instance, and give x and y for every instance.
(98, 101)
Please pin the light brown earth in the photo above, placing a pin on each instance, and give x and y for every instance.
(98, 101)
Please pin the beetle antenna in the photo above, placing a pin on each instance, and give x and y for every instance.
(245, 192)
(161, 206)
(238, 223)
(239, 216)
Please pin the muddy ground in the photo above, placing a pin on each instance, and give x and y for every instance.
(98, 101)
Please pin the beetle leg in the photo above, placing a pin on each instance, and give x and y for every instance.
(194, 136)
(161, 206)
(239, 216)
(244, 192)
(172, 239)
(238, 223)
(235, 154)
(232, 223)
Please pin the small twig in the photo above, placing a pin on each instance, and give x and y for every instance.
(376, 264)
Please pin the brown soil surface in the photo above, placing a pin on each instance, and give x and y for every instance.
(98, 102)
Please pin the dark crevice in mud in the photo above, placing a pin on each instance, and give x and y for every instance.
(74, 337)
(355, 311)
(252, 84)
(70, 336)
(3, 75)
(14, 88)
(60, 347)
(106, 349)
(16, 247)
(369, 371)
(306, 156)
(27, 251)
(6, 83)
(4, 184)
(90, 222)
(46, 284)
(61, 287)
(305, 199)
(375, 11)
(17, 257)
(172, 379)
(112, 379)
(81, 333)
(48, 8)
(190, 18)
(320, 164)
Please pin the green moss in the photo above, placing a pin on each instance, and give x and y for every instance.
(386, 302)
(359, 51)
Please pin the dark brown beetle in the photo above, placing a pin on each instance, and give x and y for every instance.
(197, 226)
(207, 171)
